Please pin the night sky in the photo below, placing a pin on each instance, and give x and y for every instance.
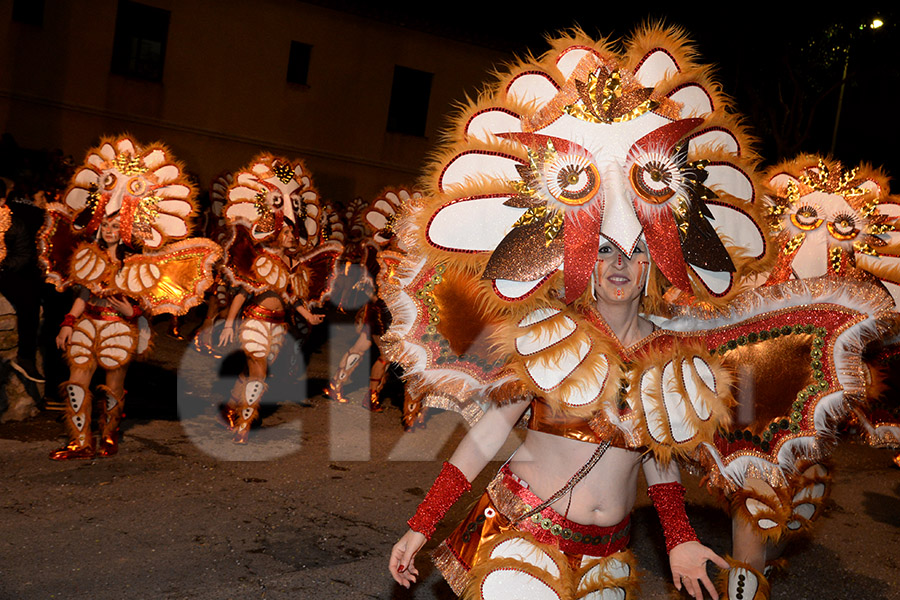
(783, 69)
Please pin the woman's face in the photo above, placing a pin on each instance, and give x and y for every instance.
(617, 278)
(109, 230)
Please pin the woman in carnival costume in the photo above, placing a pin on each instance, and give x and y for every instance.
(281, 264)
(217, 228)
(121, 238)
(584, 192)
(381, 252)
(838, 223)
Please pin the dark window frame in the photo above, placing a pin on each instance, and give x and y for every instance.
(28, 12)
(139, 45)
(299, 60)
(410, 96)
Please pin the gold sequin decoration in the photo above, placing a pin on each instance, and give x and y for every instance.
(843, 183)
(145, 215)
(794, 243)
(283, 172)
(552, 226)
(864, 248)
(129, 164)
(682, 217)
(834, 258)
(603, 99)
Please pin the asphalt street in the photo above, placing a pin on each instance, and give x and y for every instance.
(312, 505)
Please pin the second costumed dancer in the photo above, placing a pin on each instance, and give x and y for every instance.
(282, 265)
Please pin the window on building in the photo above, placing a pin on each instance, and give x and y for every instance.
(29, 12)
(298, 63)
(408, 111)
(139, 46)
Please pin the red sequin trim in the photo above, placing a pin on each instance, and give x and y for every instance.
(668, 499)
(446, 490)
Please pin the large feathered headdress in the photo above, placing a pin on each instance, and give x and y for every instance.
(587, 141)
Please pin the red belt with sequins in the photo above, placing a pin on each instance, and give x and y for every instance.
(550, 527)
(260, 313)
(103, 313)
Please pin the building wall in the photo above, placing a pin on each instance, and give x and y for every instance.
(224, 96)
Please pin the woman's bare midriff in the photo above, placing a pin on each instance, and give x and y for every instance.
(603, 497)
(269, 300)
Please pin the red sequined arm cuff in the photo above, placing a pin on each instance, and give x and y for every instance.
(446, 490)
(668, 499)
(69, 320)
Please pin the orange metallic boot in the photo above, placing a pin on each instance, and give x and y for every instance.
(335, 389)
(108, 425)
(78, 424)
(376, 383)
(413, 412)
(248, 391)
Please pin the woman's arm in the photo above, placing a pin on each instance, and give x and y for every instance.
(687, 556)
(311, 318)
(237, 302)
(68, 324)
(474, 452)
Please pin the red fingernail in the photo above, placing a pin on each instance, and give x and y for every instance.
(401, 568)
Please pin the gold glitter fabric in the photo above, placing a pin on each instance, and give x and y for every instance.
(5, 222)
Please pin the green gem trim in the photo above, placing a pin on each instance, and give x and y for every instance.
(804, 397)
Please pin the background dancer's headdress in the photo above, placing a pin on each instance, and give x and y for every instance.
(830, 220)
(269, 194)
(149, 191)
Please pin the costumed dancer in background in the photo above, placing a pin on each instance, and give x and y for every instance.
(118, 238)
(840, 224)
(382, 252)
(218, 229)
(577, 182)
(281, 265)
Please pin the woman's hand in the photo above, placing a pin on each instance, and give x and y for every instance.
(311, 318)
(64, 337)
(122, 306)
(688, 563)
(227, 335)
(403, 553)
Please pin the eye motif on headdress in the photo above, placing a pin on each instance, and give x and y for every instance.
(143, 184)
(831, 218)
(557, 158)
(272, 193)
(825, 199)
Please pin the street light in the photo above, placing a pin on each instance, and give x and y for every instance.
(875, 23)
